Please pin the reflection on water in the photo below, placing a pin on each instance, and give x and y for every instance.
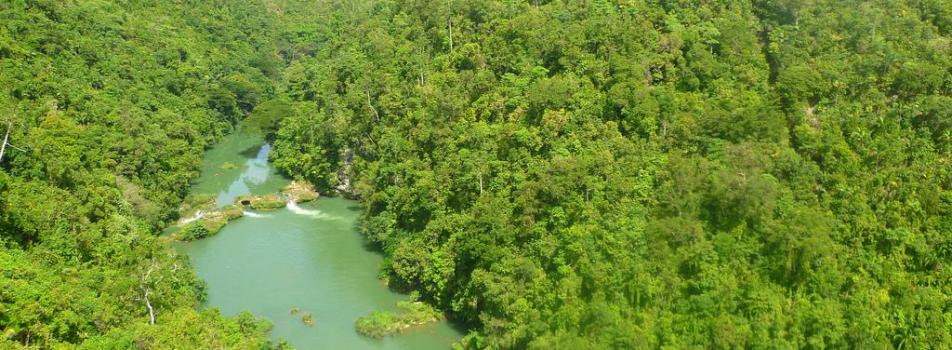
(235, 166)
(307, 256)
(255, 173)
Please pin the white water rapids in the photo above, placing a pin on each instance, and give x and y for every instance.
(198, 215)
(294, 208)
(252, 214)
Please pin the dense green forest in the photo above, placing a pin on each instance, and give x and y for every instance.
(640, 173)
(614, 174)
(109, 105)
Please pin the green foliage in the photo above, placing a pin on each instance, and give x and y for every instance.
(261, 202)
(194, 230)
(382, 323)
(187, 328)
(267, 116)
(638, 174)
(109, 106)
(377, 325)
(307, 319)
(416, 313)
(554, 174)
(195, 202)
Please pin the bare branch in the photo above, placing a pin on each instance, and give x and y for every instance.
(15, 147)
(3, 146)
(146, 291)
(369, 103)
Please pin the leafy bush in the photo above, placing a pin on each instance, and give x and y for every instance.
(377, 325)
(381, 323)
(194, 230)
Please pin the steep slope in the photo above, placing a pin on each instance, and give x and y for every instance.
(109, 106)
(642, 174)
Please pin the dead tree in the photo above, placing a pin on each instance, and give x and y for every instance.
(146, 291)
(6, 137)
(6, 142)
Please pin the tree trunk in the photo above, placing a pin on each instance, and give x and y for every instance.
(480, 182)
(449, 23)
(149, 306)
(3, 147)
(145, 292)
(370, 103)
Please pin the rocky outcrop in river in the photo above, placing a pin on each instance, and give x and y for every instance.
(300, 192)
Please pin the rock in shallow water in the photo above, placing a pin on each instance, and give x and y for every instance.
(300, 192)
(261, 202)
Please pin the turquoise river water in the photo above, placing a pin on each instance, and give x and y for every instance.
(308, 256)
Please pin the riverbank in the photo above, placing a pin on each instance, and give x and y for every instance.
(305, 255)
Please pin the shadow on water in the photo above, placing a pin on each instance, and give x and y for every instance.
(250, 152)
(365, 242)
(458, 325)
(314, 257)
(357, 226)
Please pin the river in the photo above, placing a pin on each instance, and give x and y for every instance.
(309, 257)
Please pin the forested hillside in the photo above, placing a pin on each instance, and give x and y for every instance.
(602, 174)
(109, 105)
(642, 174)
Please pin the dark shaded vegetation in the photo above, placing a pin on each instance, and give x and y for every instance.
(110, 106)
(642, 174)
(554, 174)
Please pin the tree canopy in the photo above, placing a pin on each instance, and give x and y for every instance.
(601, 174)
(642, 174)
(109, 106)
